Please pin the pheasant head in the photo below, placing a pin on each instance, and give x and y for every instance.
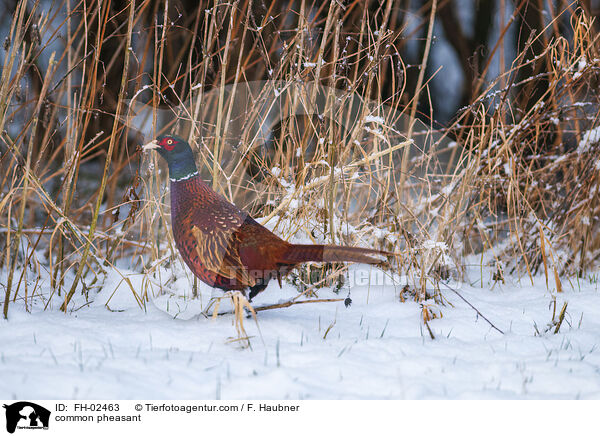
(178, 154)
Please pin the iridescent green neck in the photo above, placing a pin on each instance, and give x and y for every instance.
(181, 163)
(182, 169)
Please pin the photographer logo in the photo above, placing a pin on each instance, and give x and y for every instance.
(26, 415)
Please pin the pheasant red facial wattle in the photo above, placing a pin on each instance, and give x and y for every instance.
(168, 144)
(222, 245)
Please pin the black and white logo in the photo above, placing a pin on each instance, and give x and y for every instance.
(26, 415)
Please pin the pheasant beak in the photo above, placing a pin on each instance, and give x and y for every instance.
(152, 145)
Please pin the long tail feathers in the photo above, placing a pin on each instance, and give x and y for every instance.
(332, 253)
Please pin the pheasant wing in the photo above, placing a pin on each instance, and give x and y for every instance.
(216, 231)
(219, 252)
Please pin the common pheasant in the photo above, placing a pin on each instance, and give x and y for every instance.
(222, 245)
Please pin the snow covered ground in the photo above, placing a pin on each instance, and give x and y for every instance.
(378, 348)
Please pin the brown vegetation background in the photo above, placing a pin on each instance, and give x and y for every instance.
(506, 163)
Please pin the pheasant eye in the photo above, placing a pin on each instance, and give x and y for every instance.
(169, 144)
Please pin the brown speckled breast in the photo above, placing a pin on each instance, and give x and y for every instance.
(193, 203)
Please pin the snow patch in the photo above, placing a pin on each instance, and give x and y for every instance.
(589, 137)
